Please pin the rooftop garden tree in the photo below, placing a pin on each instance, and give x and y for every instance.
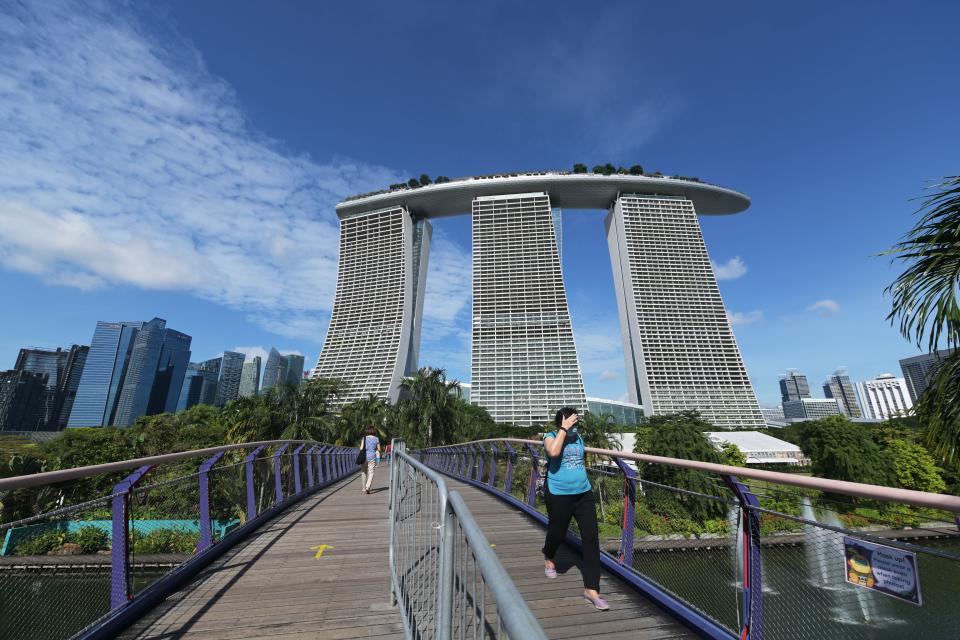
(636, 170)
(579, 168)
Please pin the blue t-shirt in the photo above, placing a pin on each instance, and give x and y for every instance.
(566, 474)
(371, 442)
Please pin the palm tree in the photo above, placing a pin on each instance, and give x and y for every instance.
(925, 303)
(360, 414)
(429, 402)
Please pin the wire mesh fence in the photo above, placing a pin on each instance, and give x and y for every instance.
(446, 580)
(69, 567)
(55, 562)
(776, 560)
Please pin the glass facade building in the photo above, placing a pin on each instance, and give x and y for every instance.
(794, 386)
(100, 383)
(231, 369)
(250, 378)
(838, 386)
(919, 370)
(63, 369)
(274, 371)
(624, 413)
(23, 400)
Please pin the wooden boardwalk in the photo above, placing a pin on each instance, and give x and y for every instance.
(558, 603)
(271, 585)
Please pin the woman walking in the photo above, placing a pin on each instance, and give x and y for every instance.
(371, 444)
(568, 494)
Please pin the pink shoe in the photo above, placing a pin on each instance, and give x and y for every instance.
(550, 573)
(598, 602)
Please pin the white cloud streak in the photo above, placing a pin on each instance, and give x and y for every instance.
(730, 270)
(740, 318)
(825, 308)
(125, 162)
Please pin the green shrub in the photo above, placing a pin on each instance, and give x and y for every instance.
(717, 527)
(165, 541)
(41, 543)
(91, 539)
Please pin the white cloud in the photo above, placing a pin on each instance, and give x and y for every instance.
(741, 318)
(825, 308)
(126, 162)
(607, 374)
(599, 346)
(730, 270)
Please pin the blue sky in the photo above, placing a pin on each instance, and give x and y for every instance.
(183, 161)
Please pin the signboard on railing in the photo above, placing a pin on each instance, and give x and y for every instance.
(881, 568)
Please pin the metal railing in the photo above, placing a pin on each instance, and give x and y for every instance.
(446, 580)
(80, 559)
(742, 553)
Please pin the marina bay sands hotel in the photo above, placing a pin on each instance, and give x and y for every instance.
(679, 350)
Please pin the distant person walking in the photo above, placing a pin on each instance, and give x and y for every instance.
(568, 494)
(371, 443)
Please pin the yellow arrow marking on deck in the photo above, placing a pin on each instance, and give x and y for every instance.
(320, 549)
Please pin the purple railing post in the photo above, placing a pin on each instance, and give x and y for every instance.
(277, 479)
(120, 543)
(328, 463)
(468, 473)
(750, 560)
(508, 485)
(460, 464)
(534, 475)
(251, 497)
(321, 460)
(629, 508)
(206, 532)
(493, 464)
(309, 457)
(296, 469)
(481, 455)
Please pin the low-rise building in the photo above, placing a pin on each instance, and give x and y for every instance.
(810, 409)
(759, 448)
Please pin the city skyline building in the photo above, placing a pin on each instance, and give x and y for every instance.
(23, 400)
(274, 371)
(294, 369)
(378, 304)
(63, 368)
(838, 386)
(524, 363)
(810, 408)
(794, 386)
(231, 370)
(680, 351)
(250, 378)
(100, 383)
(885, 396)
(919, 370)
(209, 370)
(679, 348)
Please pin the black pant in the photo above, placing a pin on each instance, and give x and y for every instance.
(582, 507)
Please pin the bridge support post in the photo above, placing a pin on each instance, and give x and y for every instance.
(493, 464)
(120, 543)
(206, 532)
(629, 516)
(321, 458)
(296, 469)
(309, 457)
(534, 475)
(750, 561)
(277, 479)
(251, 497)
(508, 485)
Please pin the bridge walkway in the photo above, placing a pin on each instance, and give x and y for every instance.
(272, 585)
(558, 603)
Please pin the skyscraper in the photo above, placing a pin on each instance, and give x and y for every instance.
(524, 364)
(133, 369)
(191, 388)
(838, 386)
(378, 306)
(100, 383)
(63, 369)
(250, 378)
(23, 398)
(294, 369)
(886, 396)
(209, 370)
(794, 386)
(680, 351)
(275, 370)
(231, 369)
(919, 370)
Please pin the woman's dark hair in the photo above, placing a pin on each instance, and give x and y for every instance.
(562, 415)
(371, 431)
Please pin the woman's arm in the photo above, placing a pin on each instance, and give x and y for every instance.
(554, 446)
